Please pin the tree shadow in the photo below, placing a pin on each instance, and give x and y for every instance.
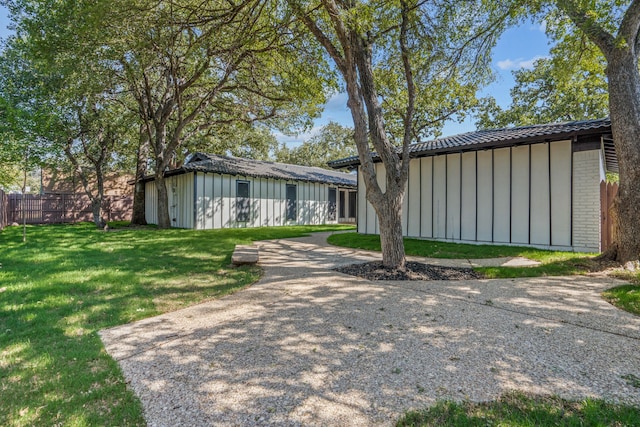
(306, 345)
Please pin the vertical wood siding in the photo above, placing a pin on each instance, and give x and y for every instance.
(426, 196)
(362, 206)
(151, 202)
(208, 200)
(513, 195)
(484, 206)
(453, 196)
(502, 195)
(469, 204)
(540, 223)
(560, 166)
(439, 215)
(519, 197)
(414, 201)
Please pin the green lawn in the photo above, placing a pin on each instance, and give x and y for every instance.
(553, 263)
(626, 297)
(69, 281)
(518, 409)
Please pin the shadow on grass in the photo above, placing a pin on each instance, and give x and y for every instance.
(69, 281)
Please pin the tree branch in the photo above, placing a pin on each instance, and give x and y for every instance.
(320, 36)
(411, 89)
(630, 25)
(596, 33)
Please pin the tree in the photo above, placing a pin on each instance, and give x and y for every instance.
(614, 27)
(22, 148)
(332, 142)
(407, 66)
(67, 89)
(248, 140)
(193, 68)
(570, 85)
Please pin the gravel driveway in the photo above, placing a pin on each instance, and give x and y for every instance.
(310, 346)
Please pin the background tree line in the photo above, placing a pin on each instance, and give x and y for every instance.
(138, 84)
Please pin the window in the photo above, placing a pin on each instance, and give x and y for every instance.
(292, 204)
(331, 213)
(342, 204)
(243, 202)
(353, 203)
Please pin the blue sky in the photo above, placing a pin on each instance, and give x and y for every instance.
(516, 49)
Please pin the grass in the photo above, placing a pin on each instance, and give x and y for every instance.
(625, 297)
(70, 281)
(519, 409)
(553, 263)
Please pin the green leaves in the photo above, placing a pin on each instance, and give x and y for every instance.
(332, 142)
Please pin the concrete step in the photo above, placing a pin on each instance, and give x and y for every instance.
(244, 254)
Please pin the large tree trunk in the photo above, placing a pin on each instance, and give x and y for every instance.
(389, 210)
(164, 221)
(96, 209)
(138, 215)
(624, 107)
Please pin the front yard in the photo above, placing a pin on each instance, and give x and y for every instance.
(70, 281)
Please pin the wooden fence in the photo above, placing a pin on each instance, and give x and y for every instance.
(62, 208)
(4, 206)
(608, 193)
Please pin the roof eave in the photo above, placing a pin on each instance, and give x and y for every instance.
(352, 162)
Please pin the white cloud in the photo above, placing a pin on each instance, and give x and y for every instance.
(514, 64)
(297, 139)
(506, 64)
(542, 27)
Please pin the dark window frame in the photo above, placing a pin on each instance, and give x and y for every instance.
(332, 204)
(243, 203)
(353, 204)
(292, 203)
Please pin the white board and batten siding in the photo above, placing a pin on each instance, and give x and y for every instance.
(208, 201)
(522, 195)
(180, 192)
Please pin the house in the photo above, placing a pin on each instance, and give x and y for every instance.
(211, 191)
(534, 186)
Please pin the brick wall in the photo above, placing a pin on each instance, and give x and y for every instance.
(586, 201)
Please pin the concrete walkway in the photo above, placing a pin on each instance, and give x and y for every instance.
(310, 346)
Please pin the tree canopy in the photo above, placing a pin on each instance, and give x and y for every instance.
(613, 27)
(333, 141)
(569, 85)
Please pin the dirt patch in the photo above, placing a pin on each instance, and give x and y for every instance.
(415, 271)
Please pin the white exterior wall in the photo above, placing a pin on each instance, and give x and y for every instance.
(362, 206)
(180, 188)
(484, 197)
(502, 195)
(468, 200)
(520, 199)
(586, 201)
(214, 205)
(413, 201)
(426, 196)
(151, 202)
(180, 199)
(523, 195)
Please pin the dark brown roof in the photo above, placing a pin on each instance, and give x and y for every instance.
(201, 162)
(506, 137)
